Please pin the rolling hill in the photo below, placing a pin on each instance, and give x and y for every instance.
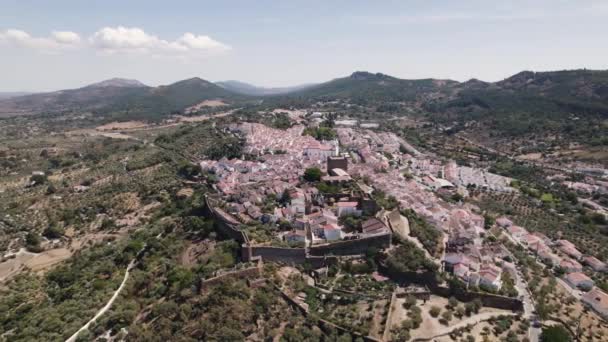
(249, 89)
(574, 102)
(119, 96)
(365, 87)
(8, 95)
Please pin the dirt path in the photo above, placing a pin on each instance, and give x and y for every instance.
(107, 306)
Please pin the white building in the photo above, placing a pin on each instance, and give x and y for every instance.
(321, 151)
(332, 232)
(347, 208)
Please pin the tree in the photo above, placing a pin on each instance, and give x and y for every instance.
(555, 333)
(409, 302)
(312, 174)
(434, 311)
(460, 311)
(447, 315)
(452, 302)
(38, 179)
(32, 242)
(53, 232)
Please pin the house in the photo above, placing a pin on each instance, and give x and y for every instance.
(320, 151)
(347, 208)
(596, 264)
(504, 222)
(296, 236)
(568, 248)
(461, 271)
(598, 300)
(452, 259)
(578, 280)
(373, 226)
(490, 276)
(542, 238)
(517, 232)
(332, 232)
(531, 241)
(297, 200)
(570, 265)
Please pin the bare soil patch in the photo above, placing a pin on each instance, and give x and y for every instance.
(113, 126)
(206, 103)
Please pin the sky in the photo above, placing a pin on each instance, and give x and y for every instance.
(61, 44)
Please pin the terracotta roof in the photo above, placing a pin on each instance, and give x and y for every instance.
(576, 277)
(373, 226)
(597, 297)
(347, 204)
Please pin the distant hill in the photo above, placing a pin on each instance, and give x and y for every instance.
(249, 89)
(120, 97)
(117, 82)
(8, 95)
(574, 102)
(366, 87)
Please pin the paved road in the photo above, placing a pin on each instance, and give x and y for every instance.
(106, 307)
(522, 287)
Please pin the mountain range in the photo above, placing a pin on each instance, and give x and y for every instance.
(523, 103)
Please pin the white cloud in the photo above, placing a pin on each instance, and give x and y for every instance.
(59, 40)
(135, 40)
(115, 40)
(66, 37)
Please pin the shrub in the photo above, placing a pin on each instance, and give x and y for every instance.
(435, 311)
(312, 174)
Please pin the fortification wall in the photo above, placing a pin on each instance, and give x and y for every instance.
(349, 247)
(224, 222)
(428, 279)
(276, 254)
(246, 273)
(488, 299)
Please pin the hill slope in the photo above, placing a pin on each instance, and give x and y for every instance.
(573, 102)
(250, 89)
(118, 96)
(367, 87)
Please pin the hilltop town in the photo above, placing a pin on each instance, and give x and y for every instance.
(296, 199)
(276, 219)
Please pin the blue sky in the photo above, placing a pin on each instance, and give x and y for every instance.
(49, 45)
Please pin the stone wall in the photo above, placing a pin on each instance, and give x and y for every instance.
(249, 273)
(224, 223)
(488, 299)
(428, 279)
(350, 247)
(246, 273)
(276, 254)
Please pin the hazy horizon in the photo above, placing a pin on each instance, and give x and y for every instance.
(68, 44)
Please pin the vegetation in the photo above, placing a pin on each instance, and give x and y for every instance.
(429, 236)
(408, 258)
(312, 174)
(555, 333)
(320, 133)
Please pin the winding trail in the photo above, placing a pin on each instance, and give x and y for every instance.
(107, 306)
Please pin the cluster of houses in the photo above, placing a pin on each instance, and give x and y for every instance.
(563, 255)
(269, 189)
(474, 269)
